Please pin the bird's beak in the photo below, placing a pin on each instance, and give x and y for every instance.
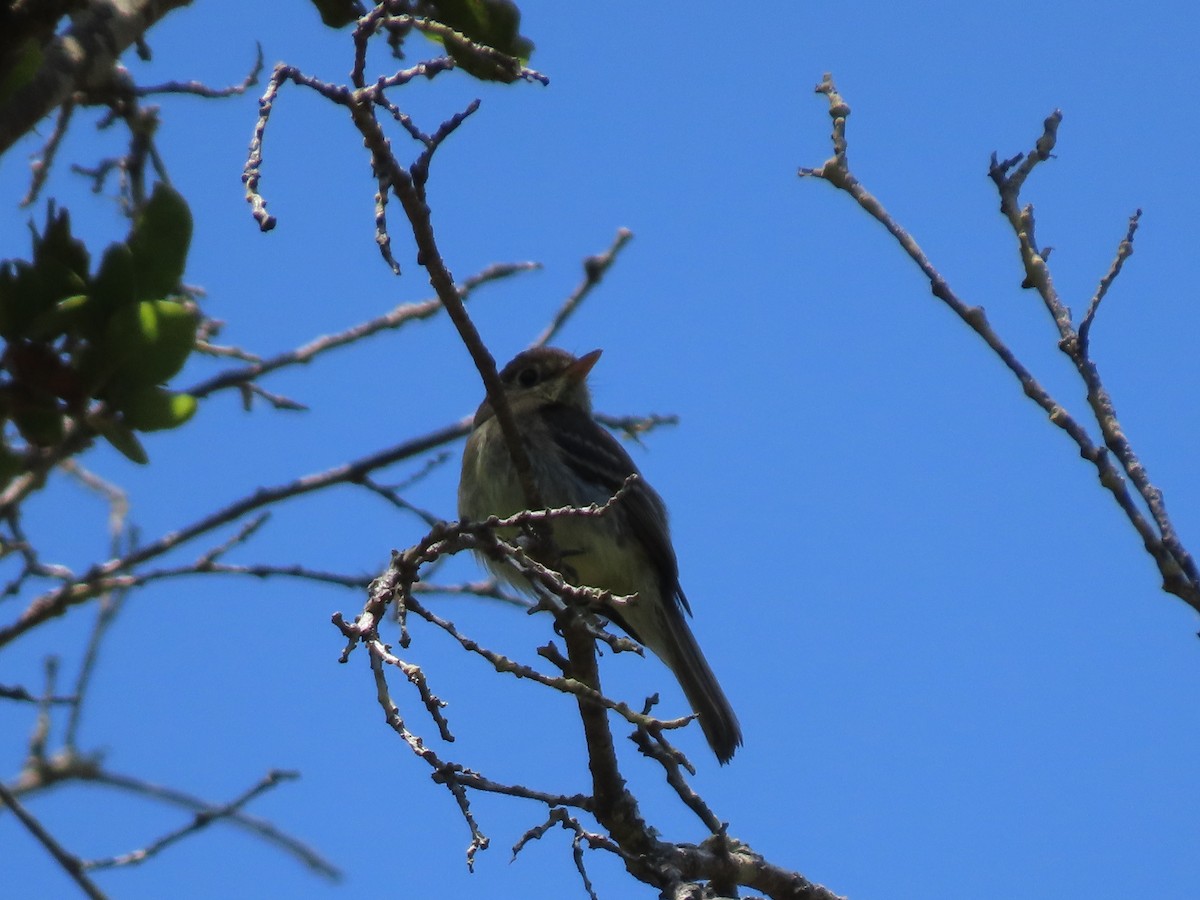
(577, 371)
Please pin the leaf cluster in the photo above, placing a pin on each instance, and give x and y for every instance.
(471, 24)
(97, 346)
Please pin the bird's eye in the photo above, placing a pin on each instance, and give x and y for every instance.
(527, 377)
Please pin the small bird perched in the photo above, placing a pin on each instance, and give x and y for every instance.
(627, 550)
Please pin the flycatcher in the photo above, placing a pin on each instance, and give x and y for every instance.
(627, 550)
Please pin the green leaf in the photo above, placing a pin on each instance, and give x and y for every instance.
(64, 316)
(11, 465)
(150, 341)
(156, 409)
(94, 368)
(30, 290)
(121, 436)
(27, 59)
(21, 293)
(39, 419)
(57, 253)
(492, 23)
(115, 285)
(159, 243)
(339, 13)
(74, 306)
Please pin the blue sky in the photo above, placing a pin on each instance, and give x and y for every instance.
(951, 660)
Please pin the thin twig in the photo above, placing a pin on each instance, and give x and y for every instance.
(110, 606)
(635, 426)
(200, 89)
(97, 578)
(594, 269)
(1179, 572)
(253, 824)
(69, 863)
(1124, 251)
(45, 160)
(655, 746)
(396, 318)
(201, 820)
(118, 501)
(22, 694)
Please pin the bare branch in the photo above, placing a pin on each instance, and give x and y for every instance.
(635, 426)
(1180, 575)
(655, 746)
(611, 802)
(110, 606)
(396, 318)
(43, 770)
(594, 269)
(444, 773)
(382, 238)
(81, 57)
(87, 770)
(45, 159)
(22, 695)
(491, 588)
(580, 836)
(69, 863)
(33, 566)
(1124, 251)
(200, 821)
(118, 502)
(103, 576)
(200, 89)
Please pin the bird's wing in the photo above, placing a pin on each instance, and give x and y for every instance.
(598, 459)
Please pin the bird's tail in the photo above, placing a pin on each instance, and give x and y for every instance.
(679, 650)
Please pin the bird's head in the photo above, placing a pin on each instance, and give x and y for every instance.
(542, 376)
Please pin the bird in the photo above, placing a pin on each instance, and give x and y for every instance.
(627, 550)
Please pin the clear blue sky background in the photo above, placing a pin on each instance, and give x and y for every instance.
(955, 671)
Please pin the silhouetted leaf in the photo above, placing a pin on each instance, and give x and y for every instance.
(338, 13)
(159, 243)
(155, 409)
